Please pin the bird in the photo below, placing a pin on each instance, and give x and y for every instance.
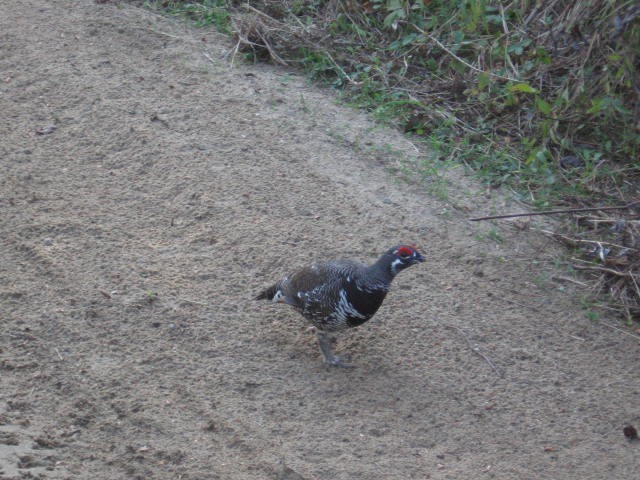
(341, 294)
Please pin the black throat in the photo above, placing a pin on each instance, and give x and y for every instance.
(366, 303)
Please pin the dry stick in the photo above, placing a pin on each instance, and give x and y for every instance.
(573, 241)
(260, 12)
(635, 284)
(504, 22)
(266, 45)
(186, 300)
(568, 279)
(351, 80)
(603, 269)
(477, 351)
(271, 51)
(550, 212)
(208, 57)
(606, 220)
(280, 60)
(619, 329)
(461, 60)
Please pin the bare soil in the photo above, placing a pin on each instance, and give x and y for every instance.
(149, 189)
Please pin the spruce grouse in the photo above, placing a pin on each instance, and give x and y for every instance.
(341, 294)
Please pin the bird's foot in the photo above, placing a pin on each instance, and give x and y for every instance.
(336, 361)
(325, 341)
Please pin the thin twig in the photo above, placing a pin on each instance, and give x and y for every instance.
(194, 302)
(504, 21)
(619, 329)
(635, 284)
(603, 269)
(271, 51)
(235, 51)
(461, 60)
(477, 351)
(208, 57)
(266, 44)
(606, 220)
(551, 212)
(260, 12)
(574, 241)
(351, 80)
(568, 279)
(158, 32)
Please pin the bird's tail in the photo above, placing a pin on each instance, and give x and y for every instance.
(268, 293)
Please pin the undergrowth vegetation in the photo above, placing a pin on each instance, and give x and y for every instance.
(543, 97)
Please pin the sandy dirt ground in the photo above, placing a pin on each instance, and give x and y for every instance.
(149, 189)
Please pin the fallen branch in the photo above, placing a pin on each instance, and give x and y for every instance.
(551, 212)
(604, 269)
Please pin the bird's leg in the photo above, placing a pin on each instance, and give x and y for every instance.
(329, 357)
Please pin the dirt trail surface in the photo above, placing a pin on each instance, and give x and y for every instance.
(149, 190)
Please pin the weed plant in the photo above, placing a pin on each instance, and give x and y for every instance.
(542, 96)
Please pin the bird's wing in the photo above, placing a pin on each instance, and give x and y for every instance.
(315, 289)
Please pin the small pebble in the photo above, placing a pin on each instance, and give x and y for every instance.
(46, 130)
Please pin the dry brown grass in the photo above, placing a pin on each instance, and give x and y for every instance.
(607, 250)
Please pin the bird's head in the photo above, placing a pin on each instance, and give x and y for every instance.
(403, 256)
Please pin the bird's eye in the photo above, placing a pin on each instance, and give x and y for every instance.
(405, 252)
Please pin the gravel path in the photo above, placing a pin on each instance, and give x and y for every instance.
(148, 190)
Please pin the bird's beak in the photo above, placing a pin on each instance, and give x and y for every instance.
(418, 258)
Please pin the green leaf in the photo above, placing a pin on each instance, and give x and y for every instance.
(394, 5)
(484, 80)
(517, 49)
(522, 87)
(391, 20)
(406, 40)
(543, 106)
(543, 56)
(596, 105)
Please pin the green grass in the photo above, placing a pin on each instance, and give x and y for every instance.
(152, 296)
(539, 97)
(508, 106)
(202, 12)
(493, 235)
